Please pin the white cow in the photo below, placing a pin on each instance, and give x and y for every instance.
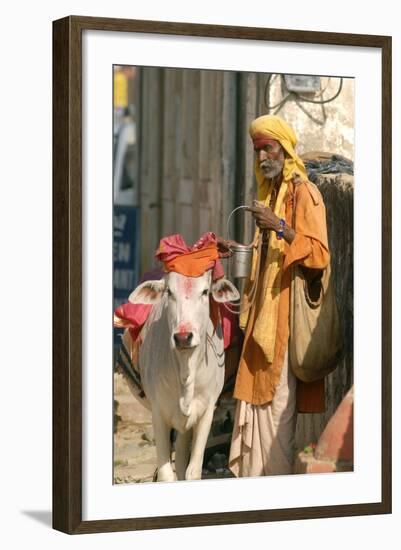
(181, 362)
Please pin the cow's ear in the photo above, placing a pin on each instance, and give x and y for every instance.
(224, 291)
(148, 292)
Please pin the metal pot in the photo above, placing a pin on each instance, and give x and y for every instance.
(240, 263)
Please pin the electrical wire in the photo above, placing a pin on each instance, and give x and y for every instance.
(308, 114)
(296, 95)
(321, 101)
(325, 88)
(269, 81)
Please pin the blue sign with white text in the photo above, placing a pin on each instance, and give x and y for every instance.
(125, 255)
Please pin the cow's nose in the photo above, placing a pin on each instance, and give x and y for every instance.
(183, 339)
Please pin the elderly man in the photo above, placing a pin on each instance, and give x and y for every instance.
(290, 216)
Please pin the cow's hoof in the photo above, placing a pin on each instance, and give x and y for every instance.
(165, 473)
(193, 472)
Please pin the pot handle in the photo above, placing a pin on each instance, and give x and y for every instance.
(244, 207)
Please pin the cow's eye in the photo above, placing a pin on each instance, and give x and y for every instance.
(205, 292)
(169, 293)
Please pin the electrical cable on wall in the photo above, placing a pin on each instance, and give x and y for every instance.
(324, 101)
(309, 115)
(298, 98)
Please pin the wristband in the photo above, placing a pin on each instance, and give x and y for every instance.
(280, 232)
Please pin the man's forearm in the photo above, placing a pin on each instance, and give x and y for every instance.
(289, 234)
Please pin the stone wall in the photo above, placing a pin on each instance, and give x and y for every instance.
(337, 191)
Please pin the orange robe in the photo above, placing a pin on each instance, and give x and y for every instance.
(256, 379)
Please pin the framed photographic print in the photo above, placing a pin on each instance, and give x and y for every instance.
(164, 134)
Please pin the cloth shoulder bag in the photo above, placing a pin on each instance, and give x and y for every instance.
(316, 340)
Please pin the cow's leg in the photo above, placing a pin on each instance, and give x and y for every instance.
(163, 448)
(182, 449)
(201, 432)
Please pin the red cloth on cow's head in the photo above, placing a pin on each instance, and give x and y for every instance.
(193, 261)
(132, 317)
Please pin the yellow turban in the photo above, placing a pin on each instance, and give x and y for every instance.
(274, 127)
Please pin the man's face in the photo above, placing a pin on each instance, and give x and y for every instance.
(271, 157)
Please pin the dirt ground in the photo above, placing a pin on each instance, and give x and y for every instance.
(134, 448)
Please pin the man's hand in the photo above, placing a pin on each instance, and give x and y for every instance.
(264, 217)
(224, 247)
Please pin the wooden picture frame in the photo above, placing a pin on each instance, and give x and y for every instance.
(67, 273)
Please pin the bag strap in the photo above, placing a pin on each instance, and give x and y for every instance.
(294, 201)
(296, 183)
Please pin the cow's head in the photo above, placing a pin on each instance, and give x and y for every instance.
(187, 304)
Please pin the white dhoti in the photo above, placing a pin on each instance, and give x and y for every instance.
(263, 440)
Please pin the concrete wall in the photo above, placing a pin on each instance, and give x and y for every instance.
(328, 127)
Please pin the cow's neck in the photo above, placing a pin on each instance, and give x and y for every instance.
(189, 364)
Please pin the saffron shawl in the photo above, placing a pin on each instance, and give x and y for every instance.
(266, 314)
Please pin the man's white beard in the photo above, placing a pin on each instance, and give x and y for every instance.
(275, 168)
